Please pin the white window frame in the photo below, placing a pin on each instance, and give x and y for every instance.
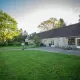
(76, 43)
(71, 44)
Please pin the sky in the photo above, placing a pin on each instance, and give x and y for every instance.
(30, 13)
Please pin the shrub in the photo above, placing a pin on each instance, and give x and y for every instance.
(41, 44)
(26, 43)
(17, 43)
(2, 44)
(68, 48)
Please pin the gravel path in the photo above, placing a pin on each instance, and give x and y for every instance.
(57, 50)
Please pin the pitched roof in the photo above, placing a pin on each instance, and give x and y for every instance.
(71, 30)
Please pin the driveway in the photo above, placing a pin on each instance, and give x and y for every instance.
(57, 50)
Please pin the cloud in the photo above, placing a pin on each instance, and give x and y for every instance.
(29, 13)
(18, 8)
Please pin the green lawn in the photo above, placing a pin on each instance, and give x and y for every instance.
(16, 47)
(38, 65)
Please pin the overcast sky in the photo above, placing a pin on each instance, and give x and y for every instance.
(30, 13)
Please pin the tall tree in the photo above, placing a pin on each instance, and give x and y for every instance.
(19, 37)
(36, 40)
(48, 24)
(52, 23)
(23, 35)
(8, 27)
(61, 23)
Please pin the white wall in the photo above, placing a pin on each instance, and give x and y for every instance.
(63, 42)
(58, 42)
(47, 41)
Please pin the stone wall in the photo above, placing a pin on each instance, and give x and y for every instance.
(58, 42)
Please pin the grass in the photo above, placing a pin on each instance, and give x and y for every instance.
(38, 65)
(17, 47)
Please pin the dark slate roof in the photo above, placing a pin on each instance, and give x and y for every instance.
(67, 31)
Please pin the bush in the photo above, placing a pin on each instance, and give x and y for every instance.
(68, 48)
(9, 44)
(17, 43)
(2, 44)
(41, 44)
(26, 43)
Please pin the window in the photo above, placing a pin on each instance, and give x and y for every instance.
(71, 41)
(78, 42)
(52, 42)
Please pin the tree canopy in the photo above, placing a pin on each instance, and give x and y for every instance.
(61, 23)
(8, 27)
(52, 23)
(22, 36)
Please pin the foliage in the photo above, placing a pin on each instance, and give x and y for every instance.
(8, 27)
(20, 38)
(42, 45)
(16, 40)
(2, 44)
(52, 23)
(26, 43)
(30, 36)
(16, 43)
(36, 40)
(61, 23)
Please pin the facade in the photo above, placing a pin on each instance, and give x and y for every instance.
(68, 36)
(57, 42)
(62, 42)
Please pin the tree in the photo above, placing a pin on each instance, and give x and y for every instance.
(24, 33)
(52, 23)
(31, 36)
(48, 24)
(22, 36)
(18, 38)
(8, 27)
(61, 23)
(36, 40)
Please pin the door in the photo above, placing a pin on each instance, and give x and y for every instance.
(78, 43)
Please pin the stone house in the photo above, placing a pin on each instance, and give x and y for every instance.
(68, 36)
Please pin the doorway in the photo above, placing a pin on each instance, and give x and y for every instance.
(78, 42)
